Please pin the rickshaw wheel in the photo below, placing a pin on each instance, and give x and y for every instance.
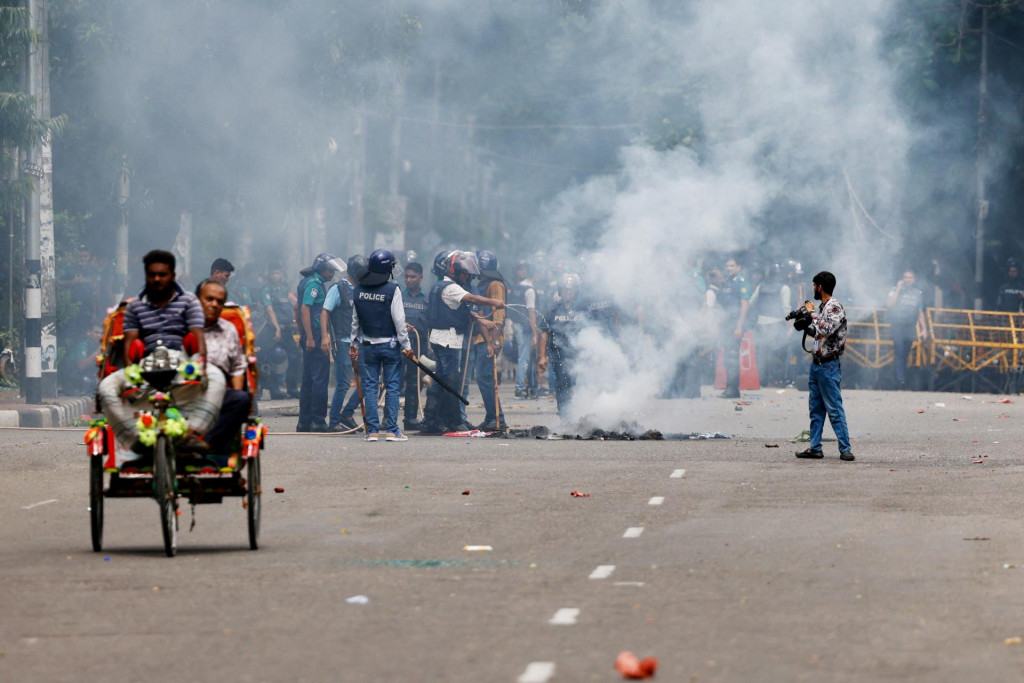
(96, 501)
(253, 495)
(163, 474)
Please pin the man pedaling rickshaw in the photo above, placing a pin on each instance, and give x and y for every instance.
(162, 315)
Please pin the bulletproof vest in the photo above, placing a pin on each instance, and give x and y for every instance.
(341, 316)
(415, 309)
(1009, 296)
(282, 305)
(602, 312)
(441, 317)
(563, 322)
(768, 303)
(373, 308)
(517, 297)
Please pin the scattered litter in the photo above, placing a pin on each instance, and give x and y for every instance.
(474, 433)
(1007, 565)
(739, 409)
(1002, 400)
(978, 538)
(636, 584)
(894, 470)
(771, 445)
(278, 489)
(358, 600)
(967, 398)
(106, 559)
(1003, 416)
(781, 391)
(921, 411)
(579, 494)
(803, 436)
(630, 666)
(959, 419)
(977, 462)
(477, 548)
(466, 492)
(698, 436)
(940, 405)
(1015, 640)
(744, 403)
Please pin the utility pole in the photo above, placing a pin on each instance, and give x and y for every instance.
(124, 193)
(357, 232)
(982, 151)
(435, 161)
(40, 292)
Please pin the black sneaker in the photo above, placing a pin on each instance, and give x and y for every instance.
(412, 425)
(488, 426)
(520, 393)
(427, 428)
(462, 427)
(301, 427)
(319, 427)
(847, 456)
(347, 422)
(811, 453)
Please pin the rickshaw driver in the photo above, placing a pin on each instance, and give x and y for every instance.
(163, 312)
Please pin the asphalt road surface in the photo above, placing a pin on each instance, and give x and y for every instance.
(728, 560)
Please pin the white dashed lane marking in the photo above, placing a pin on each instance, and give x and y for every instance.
(565, 617)
(657, 500)
(603, 571)
(677, 474)
(633, 532)
(35, 505)
(538, 672)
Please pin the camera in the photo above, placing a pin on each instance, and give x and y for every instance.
(801, 318)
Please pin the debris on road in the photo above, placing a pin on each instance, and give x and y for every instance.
(1002, 400)
(978, 538)
(579, 494)
(358, 600)
(920, 411)
(771, 445)
(630, 666)
(278, 489)
(1014, 640)
(477, 548)
(466, 492)
(977, 462)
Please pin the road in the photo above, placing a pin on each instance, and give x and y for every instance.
(726, 559)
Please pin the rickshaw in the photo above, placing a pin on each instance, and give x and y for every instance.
(167, 478)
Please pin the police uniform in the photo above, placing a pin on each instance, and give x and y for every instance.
(733, 292)
(338, 305)
(520, 297)
(448, 327)
(415, 315)
(378, 326)
(1010, 293)
(316, 365)
(276, 296)
(562, 323)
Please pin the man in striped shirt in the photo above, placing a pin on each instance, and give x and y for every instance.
(163, 312)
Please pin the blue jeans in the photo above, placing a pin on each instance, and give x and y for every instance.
(342, 377)
(484, 365)
(826, 398)
(562, 383)
(524, 364)
(381, 360)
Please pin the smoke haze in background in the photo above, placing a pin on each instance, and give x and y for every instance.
(629, 136)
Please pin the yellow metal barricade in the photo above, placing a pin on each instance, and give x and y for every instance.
(964, 340)
(869, 342)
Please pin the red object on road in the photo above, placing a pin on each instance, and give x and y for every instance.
(278, 489)
(579, 494)
(634, 668)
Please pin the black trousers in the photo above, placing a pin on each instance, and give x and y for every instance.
(233, 412)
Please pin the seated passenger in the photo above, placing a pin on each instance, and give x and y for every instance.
(224, 350)
(163, 312)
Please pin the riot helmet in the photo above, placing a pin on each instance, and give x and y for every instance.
(378, 268)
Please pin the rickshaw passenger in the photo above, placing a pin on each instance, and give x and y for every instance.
(163, 312)
(224, 349)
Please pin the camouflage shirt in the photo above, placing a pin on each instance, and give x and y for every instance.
(829, 328)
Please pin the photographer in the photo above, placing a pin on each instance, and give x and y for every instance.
(828, 328)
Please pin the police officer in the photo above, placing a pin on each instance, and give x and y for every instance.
(277, 340)
(487, 342)
(906, 322)
(415, 302)
(316, 365)
(337, 316)
(1011, 292)
(559, 327)
(449, 318)
(523, 298)
(734, 300)
(379, 335)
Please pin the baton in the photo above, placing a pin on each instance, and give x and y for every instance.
(436, 378)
